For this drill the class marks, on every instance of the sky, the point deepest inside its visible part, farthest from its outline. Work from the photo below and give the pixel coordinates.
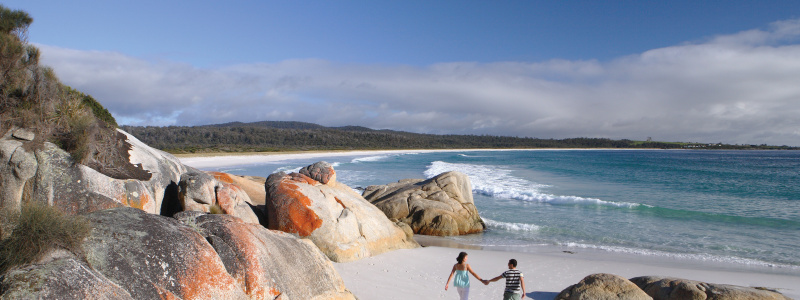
(682, 71)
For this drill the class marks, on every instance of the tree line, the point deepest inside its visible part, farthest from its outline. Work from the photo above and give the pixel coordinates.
(299, 136)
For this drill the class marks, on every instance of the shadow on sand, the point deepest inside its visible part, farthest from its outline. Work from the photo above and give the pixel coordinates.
(541, 295)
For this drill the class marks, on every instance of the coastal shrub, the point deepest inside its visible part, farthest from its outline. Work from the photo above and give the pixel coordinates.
(215, 210)
(99, 111)
(32, 97)
(37, 229)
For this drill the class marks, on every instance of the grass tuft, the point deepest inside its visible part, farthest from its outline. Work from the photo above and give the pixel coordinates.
(36, 230)
(215, 210)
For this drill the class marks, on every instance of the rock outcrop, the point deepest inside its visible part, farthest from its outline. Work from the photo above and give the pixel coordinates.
(442, 205)
(666, 288)
(199, 191)
(603, 287)
(253, 186)
(46, 174)
(17, 165)
(61, 275)
(131, 254)
(334, 217)
(153, 257)
(262, 260)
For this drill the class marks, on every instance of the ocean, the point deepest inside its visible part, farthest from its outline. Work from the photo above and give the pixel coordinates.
(736, 208)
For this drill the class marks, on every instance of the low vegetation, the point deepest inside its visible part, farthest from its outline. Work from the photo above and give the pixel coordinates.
(37, 229)
(293, 136)
(32, 97)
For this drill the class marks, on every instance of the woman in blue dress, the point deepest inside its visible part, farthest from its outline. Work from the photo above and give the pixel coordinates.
(461, 281)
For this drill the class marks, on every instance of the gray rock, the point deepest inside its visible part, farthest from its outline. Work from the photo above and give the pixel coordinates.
(667, 288)
(52, 177)
(320, 171)
(59, 276)
(603, 287)
(17, 167)
(152, 256)
(442, 205)
(198, 191)
(24, 134)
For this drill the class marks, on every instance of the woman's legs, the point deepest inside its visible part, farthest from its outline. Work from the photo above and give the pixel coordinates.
(463, 292)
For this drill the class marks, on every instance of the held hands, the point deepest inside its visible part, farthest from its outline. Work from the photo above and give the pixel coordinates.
(485, 282)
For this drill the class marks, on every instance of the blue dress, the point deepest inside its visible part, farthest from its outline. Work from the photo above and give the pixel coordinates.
(461, 279)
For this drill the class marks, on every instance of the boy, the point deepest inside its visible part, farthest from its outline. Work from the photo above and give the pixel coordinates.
(515, 284)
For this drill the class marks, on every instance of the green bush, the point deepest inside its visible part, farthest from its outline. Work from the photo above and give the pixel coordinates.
(37, 229)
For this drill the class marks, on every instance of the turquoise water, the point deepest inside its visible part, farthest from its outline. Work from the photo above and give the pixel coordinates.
(740, 207)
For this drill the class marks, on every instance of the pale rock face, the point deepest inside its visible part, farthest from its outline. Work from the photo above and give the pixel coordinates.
(252, 186)
(18, 166)
(442, 205)
(339, 221)
(49, 175)
(666, 288)
(603, 287)
(54, 178)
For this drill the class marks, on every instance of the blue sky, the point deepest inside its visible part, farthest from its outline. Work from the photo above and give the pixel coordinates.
(706, 71)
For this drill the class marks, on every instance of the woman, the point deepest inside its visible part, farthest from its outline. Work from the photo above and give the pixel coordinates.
(461, 281)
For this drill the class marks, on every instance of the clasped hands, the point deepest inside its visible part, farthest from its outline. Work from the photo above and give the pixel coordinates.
(485, 282)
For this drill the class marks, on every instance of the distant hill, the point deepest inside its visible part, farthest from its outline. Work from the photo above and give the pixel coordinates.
(291, 136)
(272, 124)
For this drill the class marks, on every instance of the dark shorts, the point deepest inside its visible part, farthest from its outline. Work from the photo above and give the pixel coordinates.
(511, 296)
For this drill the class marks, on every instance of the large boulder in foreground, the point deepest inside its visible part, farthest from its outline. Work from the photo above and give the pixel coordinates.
(603, 287)
(263, 261)
(666, 288)
(332, 215)
(156, 257)
(441, 205)
(131, 254)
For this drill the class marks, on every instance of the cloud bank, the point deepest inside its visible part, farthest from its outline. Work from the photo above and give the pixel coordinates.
(739, 88)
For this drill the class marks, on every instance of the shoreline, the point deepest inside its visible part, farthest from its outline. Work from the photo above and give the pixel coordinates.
(422, 272)
(227, 159)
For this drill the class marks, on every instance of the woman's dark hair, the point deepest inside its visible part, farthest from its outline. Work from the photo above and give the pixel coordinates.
(461, 256)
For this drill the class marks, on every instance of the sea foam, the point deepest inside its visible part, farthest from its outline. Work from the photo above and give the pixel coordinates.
(510, 226)
(499, 182)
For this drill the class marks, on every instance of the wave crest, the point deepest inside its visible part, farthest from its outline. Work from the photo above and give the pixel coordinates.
(498, 182)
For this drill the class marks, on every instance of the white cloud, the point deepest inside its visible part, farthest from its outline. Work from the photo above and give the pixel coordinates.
(739, 88)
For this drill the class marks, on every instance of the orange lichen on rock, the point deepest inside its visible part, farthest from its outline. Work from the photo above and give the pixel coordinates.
(340, 202)
(303, 179)
(226, 198)
(203, 278)
(255, 276)
(222, 177)
(294, 213)
(144, 199)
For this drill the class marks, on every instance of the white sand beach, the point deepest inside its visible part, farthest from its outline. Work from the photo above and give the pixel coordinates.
(421, 273)
(216, 161)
